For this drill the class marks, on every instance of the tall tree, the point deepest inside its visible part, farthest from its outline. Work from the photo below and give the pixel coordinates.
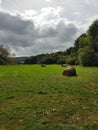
(85, 50)
(93, 30)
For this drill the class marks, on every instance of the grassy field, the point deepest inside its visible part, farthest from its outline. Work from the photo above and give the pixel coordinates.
(36, 98)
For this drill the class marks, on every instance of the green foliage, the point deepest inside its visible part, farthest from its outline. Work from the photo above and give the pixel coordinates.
(69, 51)
(80, 42)
(86, 47)
(61, 60)
(70, 60)
(5, 56)
(47, 60)
(53, 58)
(93, 31)
(96, 59)
(86, 57)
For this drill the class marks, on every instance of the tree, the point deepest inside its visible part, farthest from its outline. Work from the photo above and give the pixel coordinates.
(61, 60)
(96, 59)
(86, 57)
(85, 50)
(5, 56)
(93, 30)
(79, 41)
(71, 60)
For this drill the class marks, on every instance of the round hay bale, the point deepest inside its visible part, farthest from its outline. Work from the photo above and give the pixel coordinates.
(63, 65)
(71, 71)
(43, 65)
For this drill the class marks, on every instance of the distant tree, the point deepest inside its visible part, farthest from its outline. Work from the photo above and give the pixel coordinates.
(61, 60)
(31, 60)
(47, 60)
(69, 51)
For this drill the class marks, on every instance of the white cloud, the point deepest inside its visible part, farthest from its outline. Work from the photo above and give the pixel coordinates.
(21, 5)
(48, 0)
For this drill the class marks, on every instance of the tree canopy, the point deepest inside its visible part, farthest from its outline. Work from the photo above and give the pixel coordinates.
(85, 50)
(5, 57)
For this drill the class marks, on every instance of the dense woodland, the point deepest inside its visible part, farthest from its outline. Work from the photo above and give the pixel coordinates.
(84, 52)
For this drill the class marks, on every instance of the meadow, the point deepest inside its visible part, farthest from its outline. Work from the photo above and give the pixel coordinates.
(40, 98)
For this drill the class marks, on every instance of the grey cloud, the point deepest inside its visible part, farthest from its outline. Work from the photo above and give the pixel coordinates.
(66, 32)
(14, 23)
(61, 30)
(47, 32)
(62, 37)
(16, 31)
(15, 40)
(24, 38)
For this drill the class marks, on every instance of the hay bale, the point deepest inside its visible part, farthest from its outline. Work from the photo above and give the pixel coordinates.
(71, 71)
(63, 65)
(43, 65)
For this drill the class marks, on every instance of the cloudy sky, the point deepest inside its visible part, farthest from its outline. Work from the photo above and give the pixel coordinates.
(31, 27)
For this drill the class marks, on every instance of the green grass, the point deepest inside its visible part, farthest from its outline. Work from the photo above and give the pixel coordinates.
(36, 98)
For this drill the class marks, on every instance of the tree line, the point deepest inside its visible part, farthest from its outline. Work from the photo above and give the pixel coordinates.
(84, 52)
